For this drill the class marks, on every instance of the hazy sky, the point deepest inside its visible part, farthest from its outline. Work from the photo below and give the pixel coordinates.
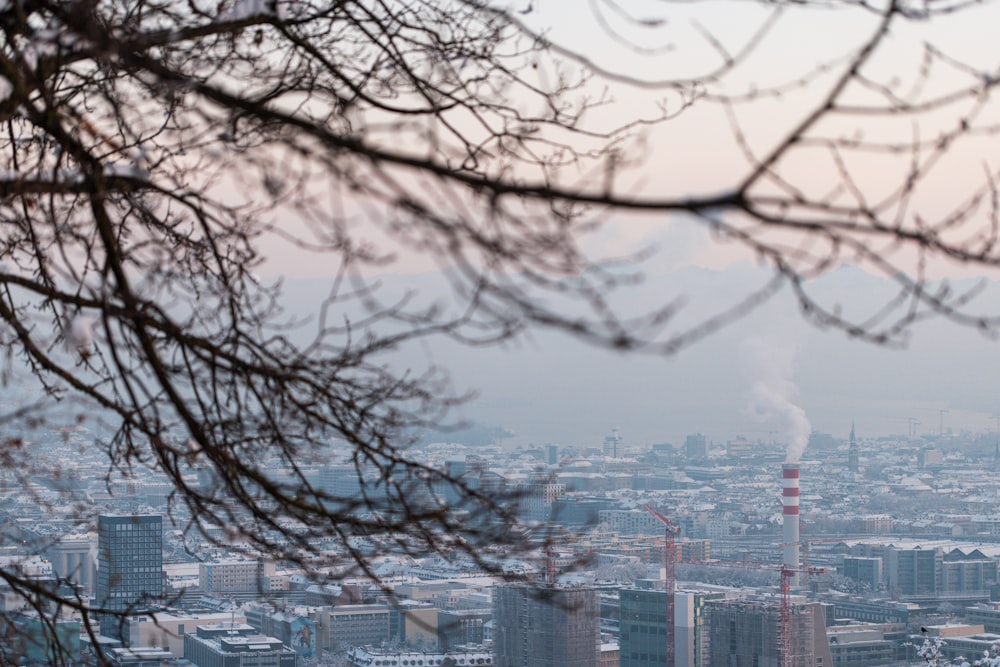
(560, 391)
(548, 388)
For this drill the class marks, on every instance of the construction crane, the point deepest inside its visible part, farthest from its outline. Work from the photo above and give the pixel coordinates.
(911, 422)
(787, 574)
(670, 578)
(550, 566)
(670, 584)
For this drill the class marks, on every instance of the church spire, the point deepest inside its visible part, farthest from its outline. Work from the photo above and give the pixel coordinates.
(853, 454)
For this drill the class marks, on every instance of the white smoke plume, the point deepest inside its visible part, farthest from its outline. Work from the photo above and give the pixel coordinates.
(80, 334)
(92, 551)
(770, 398)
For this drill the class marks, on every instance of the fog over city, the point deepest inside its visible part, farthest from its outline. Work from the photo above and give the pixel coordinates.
(462, 333)
(547, 388)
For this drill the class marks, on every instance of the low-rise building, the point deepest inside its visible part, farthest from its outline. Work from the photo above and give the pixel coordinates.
(230, 576)
(138, 657)
(459, 656)
(986, 614)
(167, 628)
(235, 645)
(866, 645)
(353, 625)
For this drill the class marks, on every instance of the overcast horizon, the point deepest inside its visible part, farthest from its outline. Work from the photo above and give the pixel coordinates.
(549, 388)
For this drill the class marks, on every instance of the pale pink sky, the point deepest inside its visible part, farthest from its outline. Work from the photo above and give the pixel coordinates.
(696, 153)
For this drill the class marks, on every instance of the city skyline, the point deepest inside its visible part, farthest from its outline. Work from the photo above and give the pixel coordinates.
(718, 282)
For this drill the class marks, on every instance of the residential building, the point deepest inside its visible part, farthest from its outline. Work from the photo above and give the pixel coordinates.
(230, 576)
(539, 494)
(630, 522)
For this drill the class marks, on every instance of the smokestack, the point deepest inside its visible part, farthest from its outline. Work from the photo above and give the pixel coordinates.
(790, 516)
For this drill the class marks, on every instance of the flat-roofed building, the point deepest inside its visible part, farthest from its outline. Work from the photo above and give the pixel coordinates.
(747, 633)
(353, 625)
(72, 559)
(167, 628)
(866, 645)
(138, 657)
(545, 627)
(235, 645)
(986, 614)
(230, 576)
(130, 569)
(459, 656)
(864, 570)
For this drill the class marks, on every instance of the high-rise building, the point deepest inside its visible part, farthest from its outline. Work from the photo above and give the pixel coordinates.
(643, 627)
(696, 446)
(545, 627)
(612, 444)
(691, 627)
(129, 569)
(914, 571)
(747, 633)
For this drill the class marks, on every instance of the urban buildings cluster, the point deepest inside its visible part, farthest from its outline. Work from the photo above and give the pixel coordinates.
(848, 558)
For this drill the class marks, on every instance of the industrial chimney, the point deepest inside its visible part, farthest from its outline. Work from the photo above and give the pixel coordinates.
(790, 515)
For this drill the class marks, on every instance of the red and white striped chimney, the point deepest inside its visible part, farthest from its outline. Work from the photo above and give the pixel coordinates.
(790, 515)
